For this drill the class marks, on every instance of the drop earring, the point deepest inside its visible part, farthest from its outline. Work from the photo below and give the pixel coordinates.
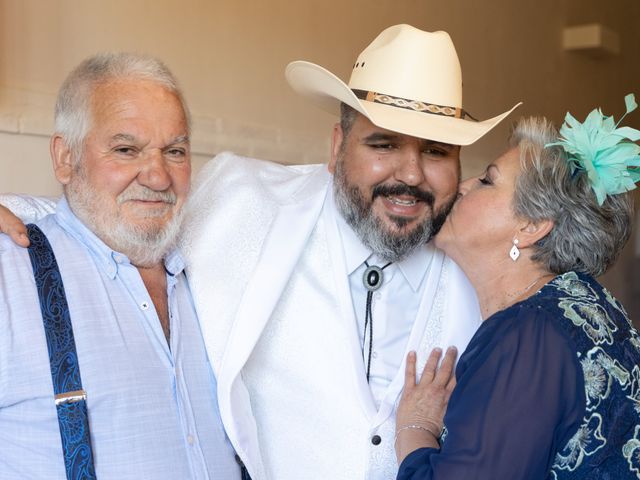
(514, 253)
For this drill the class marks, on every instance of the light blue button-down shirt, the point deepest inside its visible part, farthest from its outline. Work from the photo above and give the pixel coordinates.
(153, 411)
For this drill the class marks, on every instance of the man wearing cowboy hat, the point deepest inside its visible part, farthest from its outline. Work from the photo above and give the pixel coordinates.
(312, 285)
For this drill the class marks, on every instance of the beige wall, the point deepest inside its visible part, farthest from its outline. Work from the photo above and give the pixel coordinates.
(230, 55)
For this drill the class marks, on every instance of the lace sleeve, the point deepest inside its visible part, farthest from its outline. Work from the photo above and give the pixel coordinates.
(29, 209)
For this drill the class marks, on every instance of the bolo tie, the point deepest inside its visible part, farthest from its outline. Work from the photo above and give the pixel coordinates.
(372, 280)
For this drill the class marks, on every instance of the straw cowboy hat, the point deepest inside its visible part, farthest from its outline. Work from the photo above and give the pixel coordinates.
(407, 81)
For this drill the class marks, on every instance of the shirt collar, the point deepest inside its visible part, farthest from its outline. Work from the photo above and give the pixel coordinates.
(108, 259)
(414, 267)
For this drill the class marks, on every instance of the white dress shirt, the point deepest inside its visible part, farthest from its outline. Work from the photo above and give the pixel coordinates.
(394, 305)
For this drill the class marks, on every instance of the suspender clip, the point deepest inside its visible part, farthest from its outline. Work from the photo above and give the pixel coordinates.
(70, 397)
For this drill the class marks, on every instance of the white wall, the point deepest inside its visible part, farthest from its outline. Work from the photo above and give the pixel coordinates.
(230, 56)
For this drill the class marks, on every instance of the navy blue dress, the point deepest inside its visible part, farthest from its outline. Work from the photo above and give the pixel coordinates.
(548, 388)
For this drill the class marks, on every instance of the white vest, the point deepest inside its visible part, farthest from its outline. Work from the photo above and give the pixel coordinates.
(278, 322)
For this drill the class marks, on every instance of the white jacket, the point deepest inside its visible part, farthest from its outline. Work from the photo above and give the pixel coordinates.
(278, 323)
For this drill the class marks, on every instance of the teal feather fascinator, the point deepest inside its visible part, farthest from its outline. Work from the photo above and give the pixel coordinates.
(603, 149)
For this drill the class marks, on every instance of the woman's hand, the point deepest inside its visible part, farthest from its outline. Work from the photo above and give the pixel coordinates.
(419, 419)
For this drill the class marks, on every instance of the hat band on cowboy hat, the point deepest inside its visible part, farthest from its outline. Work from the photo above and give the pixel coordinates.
(407, 81)
(409, 104)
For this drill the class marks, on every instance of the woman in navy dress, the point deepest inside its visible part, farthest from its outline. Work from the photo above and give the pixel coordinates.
(549, 387)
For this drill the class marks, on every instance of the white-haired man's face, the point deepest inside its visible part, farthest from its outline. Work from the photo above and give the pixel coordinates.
(133, 177)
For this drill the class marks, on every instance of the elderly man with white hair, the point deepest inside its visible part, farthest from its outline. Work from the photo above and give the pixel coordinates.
(117, 383)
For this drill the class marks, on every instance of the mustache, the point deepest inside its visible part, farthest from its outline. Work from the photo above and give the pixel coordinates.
(140, 192)
(401, 189)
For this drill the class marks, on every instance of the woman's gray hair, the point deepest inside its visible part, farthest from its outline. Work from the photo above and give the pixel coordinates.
(73, 114)
(586, 237)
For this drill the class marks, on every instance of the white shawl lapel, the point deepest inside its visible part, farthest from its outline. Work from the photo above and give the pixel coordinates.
(283, 244)
(282, 247)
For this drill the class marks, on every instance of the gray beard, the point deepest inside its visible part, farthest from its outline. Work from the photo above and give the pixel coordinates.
(145, 247)
(387, 245)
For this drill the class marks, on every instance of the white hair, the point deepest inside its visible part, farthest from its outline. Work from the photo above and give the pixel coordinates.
(73, 114)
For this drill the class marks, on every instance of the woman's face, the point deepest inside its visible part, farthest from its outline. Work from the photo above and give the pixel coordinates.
(481, 226)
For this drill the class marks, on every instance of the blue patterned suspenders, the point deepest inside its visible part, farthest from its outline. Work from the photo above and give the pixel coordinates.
(70, 398)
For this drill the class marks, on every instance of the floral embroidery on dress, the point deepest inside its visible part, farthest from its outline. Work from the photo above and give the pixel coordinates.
(607, 347)
(592, 317)
(597, 383)
(634, 394)
(586, 441)
(599, 371)
(616, 304)
(613, 367)
(571, 284)
(631, 451)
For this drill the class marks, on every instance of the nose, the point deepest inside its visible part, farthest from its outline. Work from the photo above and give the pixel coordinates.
(155, 171)
(409, 168)
(464, 186)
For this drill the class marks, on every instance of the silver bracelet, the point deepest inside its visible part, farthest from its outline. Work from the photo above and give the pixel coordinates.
(415, 427)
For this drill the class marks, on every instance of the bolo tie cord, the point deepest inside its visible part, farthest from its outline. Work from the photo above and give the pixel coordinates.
(372, 280)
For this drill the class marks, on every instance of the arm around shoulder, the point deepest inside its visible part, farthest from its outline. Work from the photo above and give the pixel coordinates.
(16, 210)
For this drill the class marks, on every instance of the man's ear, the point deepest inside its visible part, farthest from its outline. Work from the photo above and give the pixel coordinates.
(531, 232)
(336, 144)
(62, 159)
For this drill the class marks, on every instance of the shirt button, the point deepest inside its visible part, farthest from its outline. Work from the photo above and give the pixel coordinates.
(190, 439)
(374, 354)
(378, 295)
(376, 440)
(144, 305)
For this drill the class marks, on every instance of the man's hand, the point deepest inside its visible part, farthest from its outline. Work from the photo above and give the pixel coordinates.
(13, 226)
